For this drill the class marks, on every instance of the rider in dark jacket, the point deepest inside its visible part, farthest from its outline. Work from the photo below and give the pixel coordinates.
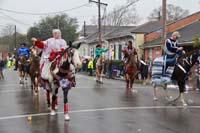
(22, 50)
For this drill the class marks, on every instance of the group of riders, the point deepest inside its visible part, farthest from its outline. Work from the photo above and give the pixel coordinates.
(52, 47)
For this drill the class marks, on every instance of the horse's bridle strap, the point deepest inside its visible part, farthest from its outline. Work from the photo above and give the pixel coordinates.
(64, 71)
(183, 69)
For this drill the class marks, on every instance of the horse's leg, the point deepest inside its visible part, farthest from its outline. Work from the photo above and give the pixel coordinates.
(53, 104)
(181, 85)
(48, 98)
(155, 98)
(131, 84)
(36, 85)
(97, 75)
(66, 105)
(127, 81)
(56, 98)
(166, 93)
(101, 77)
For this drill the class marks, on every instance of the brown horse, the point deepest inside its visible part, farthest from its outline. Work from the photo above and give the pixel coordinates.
(100, 68)
(34, 70)
(130, 72)
(22, 67)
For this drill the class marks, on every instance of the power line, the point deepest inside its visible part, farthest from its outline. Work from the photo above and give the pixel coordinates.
(31, 13)
(13, 19)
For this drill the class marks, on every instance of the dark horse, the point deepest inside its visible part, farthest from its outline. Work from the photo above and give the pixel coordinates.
(23, 68)
(34, 70)
(180, 74)
(63, 73)
(130, 72)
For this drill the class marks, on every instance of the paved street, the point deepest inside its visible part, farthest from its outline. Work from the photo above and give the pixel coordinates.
(95, 108)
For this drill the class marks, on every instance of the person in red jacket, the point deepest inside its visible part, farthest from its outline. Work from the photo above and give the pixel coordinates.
(50, 49)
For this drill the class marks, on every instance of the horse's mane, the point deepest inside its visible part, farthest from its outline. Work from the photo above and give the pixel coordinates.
(132, 59)
(189, 53)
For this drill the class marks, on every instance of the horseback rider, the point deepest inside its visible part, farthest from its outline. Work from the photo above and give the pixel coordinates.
(128, 50)
(22, 50)
(172, 50)
(50, 48)
(98, 51)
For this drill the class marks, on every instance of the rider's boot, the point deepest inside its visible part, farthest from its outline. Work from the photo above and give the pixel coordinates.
(66, 110)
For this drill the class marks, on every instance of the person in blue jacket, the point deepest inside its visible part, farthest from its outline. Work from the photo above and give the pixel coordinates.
(22, 50)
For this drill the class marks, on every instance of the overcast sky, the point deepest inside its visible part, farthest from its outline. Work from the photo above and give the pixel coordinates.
(144, 7)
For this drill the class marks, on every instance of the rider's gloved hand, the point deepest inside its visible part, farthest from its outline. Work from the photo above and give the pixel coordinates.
(52, 56)
(60, 51)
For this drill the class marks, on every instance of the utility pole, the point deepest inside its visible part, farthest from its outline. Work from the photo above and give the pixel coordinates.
(15, 36)
(163, 21)
(99, 17)
(84, 29)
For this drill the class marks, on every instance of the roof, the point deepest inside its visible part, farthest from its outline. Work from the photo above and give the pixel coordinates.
(186, 32)
(110, 32)
(94, 37)
(147, 27)
(89, 29)
(120, 31)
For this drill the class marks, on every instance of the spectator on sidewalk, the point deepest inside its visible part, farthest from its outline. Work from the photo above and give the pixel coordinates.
(109, 69)
(90, 67)
(1, 69)
(143, 70)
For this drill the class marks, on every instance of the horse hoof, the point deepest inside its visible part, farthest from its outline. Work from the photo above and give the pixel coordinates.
(184, 103)
(155, 98)
(56, 107)
(134, 91)
(49, 107)
(168, 98)
(53, 112)
(67, 118)
(36, 93)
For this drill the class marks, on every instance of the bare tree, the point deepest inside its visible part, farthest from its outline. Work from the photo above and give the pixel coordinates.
(120, 15)
(173, 13)
(7, 30)
(123, 15)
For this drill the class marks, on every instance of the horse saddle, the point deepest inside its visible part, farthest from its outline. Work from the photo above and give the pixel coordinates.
(130, 69)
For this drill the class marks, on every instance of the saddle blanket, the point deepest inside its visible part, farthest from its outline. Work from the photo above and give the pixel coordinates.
(159, 75)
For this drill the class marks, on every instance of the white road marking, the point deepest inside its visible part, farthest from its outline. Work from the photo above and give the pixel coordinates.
(102, 109)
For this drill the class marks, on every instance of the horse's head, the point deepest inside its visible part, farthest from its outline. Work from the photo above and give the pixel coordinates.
(132, 60)
(190, 58)
(22, 58)
(35, 53)
(76, 56)
(102, 57)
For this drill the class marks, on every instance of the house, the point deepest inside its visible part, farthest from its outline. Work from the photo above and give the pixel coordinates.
(153, 44)
(116, 37)
(152, 49)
